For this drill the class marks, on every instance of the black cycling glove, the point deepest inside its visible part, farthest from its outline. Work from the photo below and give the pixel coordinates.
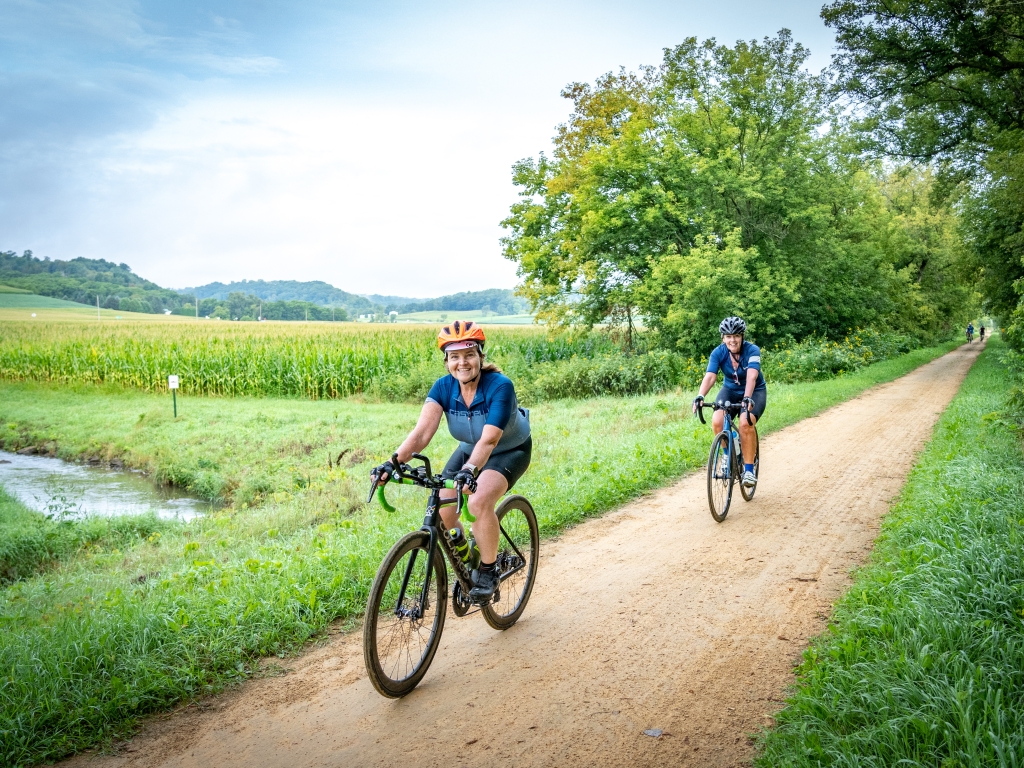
(467, 478)
(698, 400)
(380, 470)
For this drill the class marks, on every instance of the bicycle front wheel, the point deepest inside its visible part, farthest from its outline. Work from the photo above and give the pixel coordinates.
(720, 477)
(748, 493)
(401, 631)
(518, 554)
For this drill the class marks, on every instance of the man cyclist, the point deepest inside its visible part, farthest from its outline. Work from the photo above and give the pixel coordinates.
(981, 332)
(970, 332)
(479, 403)
(740, 364)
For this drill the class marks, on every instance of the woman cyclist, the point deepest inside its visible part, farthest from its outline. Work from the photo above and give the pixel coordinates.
(740, 363)
(479, 403)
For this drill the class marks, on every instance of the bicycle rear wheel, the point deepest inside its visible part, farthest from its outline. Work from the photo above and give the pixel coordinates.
(518, 554)
(401, 636)
(748, 493)
(720, 479)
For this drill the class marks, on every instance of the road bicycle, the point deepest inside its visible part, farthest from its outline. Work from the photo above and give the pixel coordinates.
(970, 337)
(409, 598)
(722, 473)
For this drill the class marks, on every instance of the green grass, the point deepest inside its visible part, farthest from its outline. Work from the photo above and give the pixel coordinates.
(9, 289)
(923, 663)
(130, 626)
(31, 543)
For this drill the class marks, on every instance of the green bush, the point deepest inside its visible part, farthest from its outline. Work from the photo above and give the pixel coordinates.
(817, 359)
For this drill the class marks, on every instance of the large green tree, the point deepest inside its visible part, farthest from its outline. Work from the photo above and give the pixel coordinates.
(943, 80)
(720, 182)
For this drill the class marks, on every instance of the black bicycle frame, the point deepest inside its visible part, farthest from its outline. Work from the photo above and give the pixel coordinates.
(433, 525)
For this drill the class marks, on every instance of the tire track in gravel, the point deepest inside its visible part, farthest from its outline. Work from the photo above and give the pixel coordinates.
(652, 616)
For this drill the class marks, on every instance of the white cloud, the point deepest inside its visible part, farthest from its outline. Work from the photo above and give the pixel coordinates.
(372, 199)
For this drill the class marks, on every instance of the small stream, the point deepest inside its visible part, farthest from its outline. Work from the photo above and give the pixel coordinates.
(59, 488)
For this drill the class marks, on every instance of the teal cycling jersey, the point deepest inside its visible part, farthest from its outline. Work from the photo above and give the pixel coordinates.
(734, 367)
(495, 404)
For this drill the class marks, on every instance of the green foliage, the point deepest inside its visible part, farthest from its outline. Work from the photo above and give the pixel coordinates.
(722, 183)
(937, 76)
(619, 375)
(817, 359)
(924, 659)
(941, 80)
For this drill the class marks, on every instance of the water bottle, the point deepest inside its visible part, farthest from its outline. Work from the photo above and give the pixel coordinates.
(466, 550)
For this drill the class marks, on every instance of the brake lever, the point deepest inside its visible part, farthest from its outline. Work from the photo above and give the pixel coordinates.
(373, 487)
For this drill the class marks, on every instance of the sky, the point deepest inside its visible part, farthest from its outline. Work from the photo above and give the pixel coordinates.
(368, 145)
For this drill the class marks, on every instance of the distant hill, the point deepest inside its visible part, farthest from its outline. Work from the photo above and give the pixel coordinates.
(83, 280)
(119, 288)
(498, 300)
(313, 291)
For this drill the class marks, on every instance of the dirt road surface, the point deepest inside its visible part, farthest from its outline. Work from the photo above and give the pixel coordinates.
(651, 617)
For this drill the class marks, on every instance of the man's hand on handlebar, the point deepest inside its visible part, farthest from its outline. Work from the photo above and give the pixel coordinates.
(698, 401)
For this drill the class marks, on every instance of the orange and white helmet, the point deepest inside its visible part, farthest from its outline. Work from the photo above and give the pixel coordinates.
(460, 334)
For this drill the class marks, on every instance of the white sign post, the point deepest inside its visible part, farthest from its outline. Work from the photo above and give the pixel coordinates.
(172, 384)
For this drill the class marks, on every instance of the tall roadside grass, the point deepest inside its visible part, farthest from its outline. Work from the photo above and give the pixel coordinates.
(131, 627)
(923, 663)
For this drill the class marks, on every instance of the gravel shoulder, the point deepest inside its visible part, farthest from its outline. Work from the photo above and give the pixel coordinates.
(650, 617)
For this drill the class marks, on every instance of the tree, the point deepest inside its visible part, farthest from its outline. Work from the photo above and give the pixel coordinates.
(936, 76)
(944, 80)
(720, 182)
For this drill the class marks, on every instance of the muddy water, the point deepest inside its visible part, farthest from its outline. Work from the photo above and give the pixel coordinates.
(56, 487)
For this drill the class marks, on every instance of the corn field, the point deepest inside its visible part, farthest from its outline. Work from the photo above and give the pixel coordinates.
(252, 359)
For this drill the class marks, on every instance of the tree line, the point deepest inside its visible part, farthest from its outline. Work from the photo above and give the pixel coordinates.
(731, 180)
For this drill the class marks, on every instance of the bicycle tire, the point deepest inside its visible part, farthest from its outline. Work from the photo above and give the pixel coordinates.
(748, 493)
(402, 637)
(719, 487)
(518, 523)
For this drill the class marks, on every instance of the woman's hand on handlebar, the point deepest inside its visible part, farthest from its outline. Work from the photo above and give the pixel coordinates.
(384, 472)
(748, 407)
(466, 478)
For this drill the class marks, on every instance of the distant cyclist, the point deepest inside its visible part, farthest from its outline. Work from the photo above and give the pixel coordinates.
(479, 403)
(970, 332)
(981, 332)
(740, 364)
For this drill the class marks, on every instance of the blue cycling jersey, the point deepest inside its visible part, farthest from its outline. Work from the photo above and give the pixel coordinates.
(495, 404)
(735, 369)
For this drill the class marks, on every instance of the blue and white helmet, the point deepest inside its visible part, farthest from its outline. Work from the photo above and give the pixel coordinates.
(732, 326)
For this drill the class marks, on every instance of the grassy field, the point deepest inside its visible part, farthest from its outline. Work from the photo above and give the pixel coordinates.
(19, 306)
(138, 620)
(923, 663)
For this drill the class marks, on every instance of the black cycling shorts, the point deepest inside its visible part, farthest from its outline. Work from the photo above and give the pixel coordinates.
(512, 464)
(760, 399)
